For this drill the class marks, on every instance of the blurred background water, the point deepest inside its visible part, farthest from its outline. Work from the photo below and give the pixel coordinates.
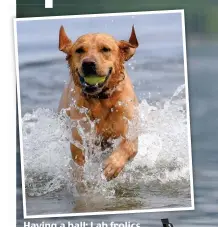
(202, 56)
(43, 68)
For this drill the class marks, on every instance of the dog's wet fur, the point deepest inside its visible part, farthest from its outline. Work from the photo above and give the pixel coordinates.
(112, 101)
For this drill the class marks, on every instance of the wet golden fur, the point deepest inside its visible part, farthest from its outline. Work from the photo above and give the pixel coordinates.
(114, 111)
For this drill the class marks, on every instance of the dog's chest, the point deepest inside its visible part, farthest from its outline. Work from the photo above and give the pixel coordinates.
(106, 116)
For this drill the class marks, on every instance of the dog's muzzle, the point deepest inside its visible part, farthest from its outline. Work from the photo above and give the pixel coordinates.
(93, 87)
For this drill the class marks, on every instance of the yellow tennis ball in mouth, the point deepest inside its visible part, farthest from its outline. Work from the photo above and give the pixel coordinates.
(92, 80)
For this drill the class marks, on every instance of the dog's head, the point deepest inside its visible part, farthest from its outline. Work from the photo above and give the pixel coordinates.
(97, 60)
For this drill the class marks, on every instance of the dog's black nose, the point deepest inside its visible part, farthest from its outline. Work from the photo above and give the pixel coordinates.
(89, 66)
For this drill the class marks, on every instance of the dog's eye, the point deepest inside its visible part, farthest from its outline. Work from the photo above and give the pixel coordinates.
(106, 49)
(80, 50)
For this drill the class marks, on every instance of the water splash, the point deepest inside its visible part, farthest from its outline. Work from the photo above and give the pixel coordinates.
(162, 157)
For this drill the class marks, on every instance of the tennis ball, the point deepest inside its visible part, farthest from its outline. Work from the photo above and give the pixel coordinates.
(92, 80)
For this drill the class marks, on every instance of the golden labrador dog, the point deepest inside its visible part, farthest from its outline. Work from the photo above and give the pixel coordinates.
(99, 82)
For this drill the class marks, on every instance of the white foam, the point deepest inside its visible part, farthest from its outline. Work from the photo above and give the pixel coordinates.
(162, 156)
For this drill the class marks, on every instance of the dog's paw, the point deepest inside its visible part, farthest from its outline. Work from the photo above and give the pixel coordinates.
(114, 165)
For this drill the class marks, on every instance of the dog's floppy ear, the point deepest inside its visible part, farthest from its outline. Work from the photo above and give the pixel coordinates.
(65, 43)
(128, 48)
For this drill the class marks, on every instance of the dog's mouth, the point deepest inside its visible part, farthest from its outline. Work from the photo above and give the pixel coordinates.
(92, 84)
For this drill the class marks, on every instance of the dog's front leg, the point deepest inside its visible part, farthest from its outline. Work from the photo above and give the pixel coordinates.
(117, 160)
(77, 153)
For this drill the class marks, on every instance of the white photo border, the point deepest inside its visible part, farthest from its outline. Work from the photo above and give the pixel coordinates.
(192, 207)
